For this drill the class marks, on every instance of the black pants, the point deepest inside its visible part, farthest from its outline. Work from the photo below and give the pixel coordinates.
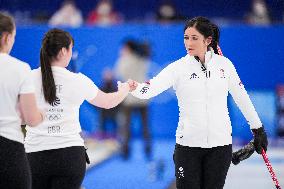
(62, 168)
(201, 168)
(14, 168)
(126, 129)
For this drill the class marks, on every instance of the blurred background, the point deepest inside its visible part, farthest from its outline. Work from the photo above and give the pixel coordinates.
(132, 145)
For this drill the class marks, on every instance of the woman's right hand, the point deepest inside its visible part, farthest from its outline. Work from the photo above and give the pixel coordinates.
(123, 86)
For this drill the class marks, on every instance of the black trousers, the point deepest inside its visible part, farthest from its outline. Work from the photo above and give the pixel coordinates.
(201, 168)
(62, 168)
(14, 168)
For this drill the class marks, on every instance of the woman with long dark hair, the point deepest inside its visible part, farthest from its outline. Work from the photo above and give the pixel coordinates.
(17, 100)
(202, 80)
(55, 148)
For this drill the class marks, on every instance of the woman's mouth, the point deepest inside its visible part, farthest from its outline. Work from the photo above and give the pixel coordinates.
(189, 50)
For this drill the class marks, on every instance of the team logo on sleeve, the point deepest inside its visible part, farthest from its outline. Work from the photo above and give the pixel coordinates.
(144, 89)
(241, 85)
(222, 73)
(147, 82)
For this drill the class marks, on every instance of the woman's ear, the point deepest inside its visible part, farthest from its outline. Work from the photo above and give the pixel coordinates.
(9, 37)
(62, 53)
(208, 40)
(4, 38)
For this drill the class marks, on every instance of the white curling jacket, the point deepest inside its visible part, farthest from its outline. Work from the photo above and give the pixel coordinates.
(202, 93)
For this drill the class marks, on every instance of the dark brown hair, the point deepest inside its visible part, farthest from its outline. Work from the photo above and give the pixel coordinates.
(206, 28)
(54, 40)
(7, 24)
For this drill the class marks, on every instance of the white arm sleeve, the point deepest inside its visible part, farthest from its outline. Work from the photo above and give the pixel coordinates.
(163, 81)
(27, 85)
(241, 97)
(88, 88)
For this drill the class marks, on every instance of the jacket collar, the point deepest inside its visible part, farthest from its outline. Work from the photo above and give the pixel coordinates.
(208, 56)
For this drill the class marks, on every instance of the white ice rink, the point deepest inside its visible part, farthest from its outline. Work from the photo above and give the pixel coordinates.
(249, 174)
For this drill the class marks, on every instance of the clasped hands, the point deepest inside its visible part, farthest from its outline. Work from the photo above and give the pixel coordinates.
(129, 85)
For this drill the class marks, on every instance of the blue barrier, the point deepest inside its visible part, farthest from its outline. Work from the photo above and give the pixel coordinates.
(257, 53)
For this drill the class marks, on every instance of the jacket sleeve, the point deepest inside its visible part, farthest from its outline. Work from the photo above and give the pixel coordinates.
(241, 97)
(163, 81)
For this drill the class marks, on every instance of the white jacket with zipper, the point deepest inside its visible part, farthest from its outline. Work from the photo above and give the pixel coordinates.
(202, 93)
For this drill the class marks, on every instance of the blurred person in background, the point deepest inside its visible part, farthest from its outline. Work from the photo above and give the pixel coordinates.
(103, 14)
(259, 14)
(108, 116)
(167, 13)
(133, 62)
(55, 148)
(17, 100)
(68, 15)
(202, 80)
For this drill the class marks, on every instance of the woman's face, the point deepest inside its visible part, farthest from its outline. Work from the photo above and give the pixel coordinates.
(195, 43)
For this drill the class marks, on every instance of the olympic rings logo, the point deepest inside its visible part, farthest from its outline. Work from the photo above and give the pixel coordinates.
(53, 117)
